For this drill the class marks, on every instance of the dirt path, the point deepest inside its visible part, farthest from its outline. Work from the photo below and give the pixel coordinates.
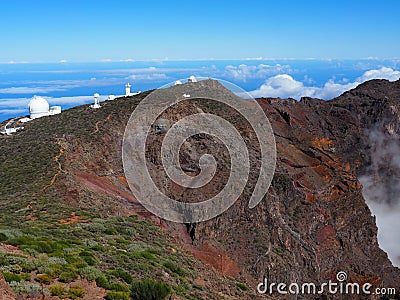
(60, 170)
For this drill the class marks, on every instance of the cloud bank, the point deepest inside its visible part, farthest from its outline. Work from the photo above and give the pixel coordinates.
(381, 190)
(285, 86)
(244, 72)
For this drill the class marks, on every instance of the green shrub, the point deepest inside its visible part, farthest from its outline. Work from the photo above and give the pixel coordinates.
(90, 243)
(25, 276)
(44, 246)
(20, 263)
(76, 292)
(9, 277)
(242, 286)
(97, 247)
(118, 287)
(43, 278)
(11, 233)
(102, 281)
(71, 250)
(150, 290)
(138, 247)
(80, 264)
(174, 268)
(94, 227)
(58, 290)
(25, 288)
(90, 260)
(3, 237)
(121, 274)
(22, 240)
(117, 296)
(147, 254)
(111, 231)
(90, 273)
(68, 276)
(55, 260)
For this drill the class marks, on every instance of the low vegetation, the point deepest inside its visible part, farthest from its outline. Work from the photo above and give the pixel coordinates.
(91, 251)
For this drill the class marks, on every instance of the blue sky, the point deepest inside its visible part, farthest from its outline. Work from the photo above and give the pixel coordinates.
(78, 31)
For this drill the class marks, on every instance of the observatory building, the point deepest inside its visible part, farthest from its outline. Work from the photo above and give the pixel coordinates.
(96, 103)
(10, 128)
(39, 107)
(192, 79)
(128, 90)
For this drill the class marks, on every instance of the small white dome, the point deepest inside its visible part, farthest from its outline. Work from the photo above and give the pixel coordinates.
(192, 79)
(38, 107)
(178, 82)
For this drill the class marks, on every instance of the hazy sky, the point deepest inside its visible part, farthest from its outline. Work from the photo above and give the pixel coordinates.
(77, 30)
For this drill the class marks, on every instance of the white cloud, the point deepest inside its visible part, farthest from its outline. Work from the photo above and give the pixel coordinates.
(15, 112)
(255, 58)
(381, 190)
(148, 77)
(382, 73)
(285, 86)
(128, 72)
(282, 86)
(244, 72)
(73, 100)
(13, 62)
(13, 103)
(34, 90)
(45, 87)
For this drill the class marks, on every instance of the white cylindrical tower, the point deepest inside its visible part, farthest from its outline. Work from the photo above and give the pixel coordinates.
(96, 104)
(127, 89)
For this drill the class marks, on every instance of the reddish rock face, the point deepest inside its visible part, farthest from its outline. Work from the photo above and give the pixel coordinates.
(313, 220)
(326, 236)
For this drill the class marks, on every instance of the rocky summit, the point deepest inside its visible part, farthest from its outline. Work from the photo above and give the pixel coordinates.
(71, 227)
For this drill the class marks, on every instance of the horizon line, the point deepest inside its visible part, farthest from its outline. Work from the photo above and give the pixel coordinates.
(129, 60)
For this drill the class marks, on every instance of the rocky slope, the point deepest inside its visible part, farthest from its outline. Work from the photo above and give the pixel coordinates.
(312, 223)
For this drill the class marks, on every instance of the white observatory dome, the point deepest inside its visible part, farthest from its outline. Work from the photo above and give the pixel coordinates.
(192, 79)
(38, 107)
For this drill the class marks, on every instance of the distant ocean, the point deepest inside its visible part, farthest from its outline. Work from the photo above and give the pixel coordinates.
(70, 84)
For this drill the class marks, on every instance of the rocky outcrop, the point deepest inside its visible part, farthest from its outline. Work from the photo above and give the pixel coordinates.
(314, 221)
